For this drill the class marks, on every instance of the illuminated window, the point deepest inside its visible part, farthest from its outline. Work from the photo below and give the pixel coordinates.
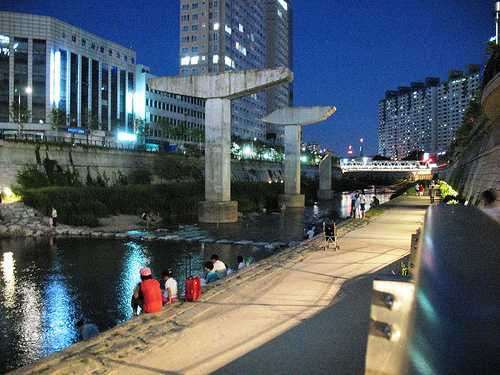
(185, 60)
(194, 60)
(240, 27)
(228, 29)
(215, 59)
(216, 25)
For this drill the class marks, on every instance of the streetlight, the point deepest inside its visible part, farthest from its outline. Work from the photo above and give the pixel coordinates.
(28, 90)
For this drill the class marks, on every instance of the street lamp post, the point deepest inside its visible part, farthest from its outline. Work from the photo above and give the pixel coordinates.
(28, 90)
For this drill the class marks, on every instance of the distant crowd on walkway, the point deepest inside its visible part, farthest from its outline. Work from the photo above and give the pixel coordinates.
(358, 203)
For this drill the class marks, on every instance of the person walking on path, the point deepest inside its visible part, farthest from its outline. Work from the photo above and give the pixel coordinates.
(362, 204)
(421, 191)
(53, 216)
(147, 294)
(353, 204)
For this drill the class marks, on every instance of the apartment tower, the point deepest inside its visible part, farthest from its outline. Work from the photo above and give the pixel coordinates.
(218, 36)
(426, 115)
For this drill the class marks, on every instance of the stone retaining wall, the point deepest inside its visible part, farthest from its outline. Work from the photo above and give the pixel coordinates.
(112, 162)
(477, 168)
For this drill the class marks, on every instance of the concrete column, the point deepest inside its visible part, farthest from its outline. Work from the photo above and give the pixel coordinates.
(293, 119)
(325, 192)
(218, 207)
(219, 90)
(292, 196)
(217, 150)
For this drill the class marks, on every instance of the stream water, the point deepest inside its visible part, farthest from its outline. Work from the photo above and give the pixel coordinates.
(47, 284)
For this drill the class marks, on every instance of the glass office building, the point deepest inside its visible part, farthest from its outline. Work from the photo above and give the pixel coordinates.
(47, 64)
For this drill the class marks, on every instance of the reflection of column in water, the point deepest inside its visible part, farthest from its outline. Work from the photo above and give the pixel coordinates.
(9, 279)
(293, 224)
(30, 322)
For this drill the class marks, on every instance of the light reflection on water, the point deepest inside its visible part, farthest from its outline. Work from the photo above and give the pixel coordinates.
(47, 284)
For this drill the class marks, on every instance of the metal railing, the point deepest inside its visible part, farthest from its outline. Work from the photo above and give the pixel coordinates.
(382, 165)
(445, 321)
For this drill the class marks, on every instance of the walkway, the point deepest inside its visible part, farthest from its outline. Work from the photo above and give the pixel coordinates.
(302, 311)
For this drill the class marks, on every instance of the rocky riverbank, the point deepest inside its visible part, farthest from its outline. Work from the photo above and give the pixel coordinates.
(19, 220)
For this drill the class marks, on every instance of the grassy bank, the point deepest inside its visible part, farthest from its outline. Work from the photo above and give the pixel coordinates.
(84, 205)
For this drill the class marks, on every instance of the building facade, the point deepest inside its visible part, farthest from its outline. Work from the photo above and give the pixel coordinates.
(218, 36)
(47, 64)
(425, 116)
(172, 118)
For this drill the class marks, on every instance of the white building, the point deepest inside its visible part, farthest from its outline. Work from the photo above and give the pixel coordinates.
(425, 116)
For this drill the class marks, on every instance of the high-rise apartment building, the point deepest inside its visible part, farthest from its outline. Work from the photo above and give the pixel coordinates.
(217, 36)
(426, 115)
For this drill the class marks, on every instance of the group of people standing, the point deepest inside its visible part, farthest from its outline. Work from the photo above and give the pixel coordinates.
(358, 204)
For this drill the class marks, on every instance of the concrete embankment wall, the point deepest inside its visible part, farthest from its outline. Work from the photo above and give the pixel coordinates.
(112, 163)
(477, 168)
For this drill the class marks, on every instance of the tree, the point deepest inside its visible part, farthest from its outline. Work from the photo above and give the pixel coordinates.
(142, 129)
(179, 131)
(58, 117)
(19, 112)
(165, 125)
(90, 120)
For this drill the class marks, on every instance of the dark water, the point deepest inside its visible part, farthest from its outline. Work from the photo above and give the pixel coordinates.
(47, 284)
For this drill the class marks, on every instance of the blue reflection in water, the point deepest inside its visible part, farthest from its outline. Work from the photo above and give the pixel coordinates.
(133, 260)
(59, 311)
(48, 284)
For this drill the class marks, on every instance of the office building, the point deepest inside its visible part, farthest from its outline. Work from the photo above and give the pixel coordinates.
(218, 36)
(47, 64)
(172, 117)
(425, 116)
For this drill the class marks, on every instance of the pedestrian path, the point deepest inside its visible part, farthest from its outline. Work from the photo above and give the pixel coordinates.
(302, 311)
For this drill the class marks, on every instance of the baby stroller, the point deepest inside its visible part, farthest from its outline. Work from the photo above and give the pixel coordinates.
(330, 233)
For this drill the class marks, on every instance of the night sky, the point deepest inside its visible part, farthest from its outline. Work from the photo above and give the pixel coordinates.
(346, 53)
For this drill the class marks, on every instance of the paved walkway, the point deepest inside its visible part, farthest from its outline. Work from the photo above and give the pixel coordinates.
(302, 311)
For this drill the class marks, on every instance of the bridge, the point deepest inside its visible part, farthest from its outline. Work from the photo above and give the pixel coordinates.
(416, 170)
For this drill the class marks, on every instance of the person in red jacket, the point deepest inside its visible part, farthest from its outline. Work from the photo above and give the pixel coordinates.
(147, 294)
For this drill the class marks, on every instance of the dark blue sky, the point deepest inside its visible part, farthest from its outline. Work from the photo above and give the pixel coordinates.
(347, 53)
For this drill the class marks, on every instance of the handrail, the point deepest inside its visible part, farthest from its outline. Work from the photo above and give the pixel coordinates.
(453, 325)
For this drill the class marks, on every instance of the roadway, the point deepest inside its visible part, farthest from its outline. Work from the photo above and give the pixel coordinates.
(302, 311)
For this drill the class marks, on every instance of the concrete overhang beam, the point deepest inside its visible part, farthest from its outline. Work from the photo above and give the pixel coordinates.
(229, 85)
(299, 115)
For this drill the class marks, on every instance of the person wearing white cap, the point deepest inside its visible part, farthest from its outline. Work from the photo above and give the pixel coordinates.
(147, 294)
